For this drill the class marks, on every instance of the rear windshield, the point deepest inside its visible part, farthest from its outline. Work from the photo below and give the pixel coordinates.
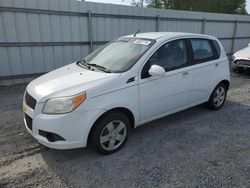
(120, 55)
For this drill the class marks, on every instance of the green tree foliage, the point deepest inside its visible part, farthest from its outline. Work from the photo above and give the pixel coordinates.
(155, 4)
(138, 3)
(216, 6)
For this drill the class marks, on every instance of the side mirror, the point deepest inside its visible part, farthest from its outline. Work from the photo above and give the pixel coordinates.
(156, 70)
(248, 44)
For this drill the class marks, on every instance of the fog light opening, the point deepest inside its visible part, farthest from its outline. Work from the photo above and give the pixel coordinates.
(51, 137)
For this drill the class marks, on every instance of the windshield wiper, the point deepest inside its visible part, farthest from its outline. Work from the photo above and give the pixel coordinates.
(102, 68)
(83, 63)
(89, 65)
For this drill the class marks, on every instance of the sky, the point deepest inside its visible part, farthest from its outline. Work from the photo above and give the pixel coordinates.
(127, 2)
(248, 6)
(120, 2)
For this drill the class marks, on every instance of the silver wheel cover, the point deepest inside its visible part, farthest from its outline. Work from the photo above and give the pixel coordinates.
(219, 96)
(113, 135)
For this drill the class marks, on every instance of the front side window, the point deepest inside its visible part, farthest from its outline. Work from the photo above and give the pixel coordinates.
(170, 56)
(202, 50)
(119, 56)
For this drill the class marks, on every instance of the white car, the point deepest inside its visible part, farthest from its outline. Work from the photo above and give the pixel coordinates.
(241, 59)
(122, 85)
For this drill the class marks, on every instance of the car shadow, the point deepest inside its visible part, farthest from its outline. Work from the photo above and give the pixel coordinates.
(184, 136)
(244, 74)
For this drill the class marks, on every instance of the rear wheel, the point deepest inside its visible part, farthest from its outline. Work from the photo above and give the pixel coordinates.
(218, 97)
(110, 133)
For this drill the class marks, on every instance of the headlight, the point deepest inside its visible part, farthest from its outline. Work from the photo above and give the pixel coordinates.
(63, 105)
(233, 57)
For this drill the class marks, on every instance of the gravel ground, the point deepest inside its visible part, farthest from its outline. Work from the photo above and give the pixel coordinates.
(193, 148)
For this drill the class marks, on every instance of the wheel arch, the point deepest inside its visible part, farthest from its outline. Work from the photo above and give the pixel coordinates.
(123, 110)
(226, 82)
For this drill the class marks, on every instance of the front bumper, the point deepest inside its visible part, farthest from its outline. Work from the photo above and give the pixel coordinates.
(72, 127)
(241, 63)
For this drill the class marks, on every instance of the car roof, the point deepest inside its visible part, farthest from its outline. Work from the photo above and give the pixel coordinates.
(166, 35)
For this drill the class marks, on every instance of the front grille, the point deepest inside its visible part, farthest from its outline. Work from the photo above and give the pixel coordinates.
(28, 121)
(30, 101)
(243, 62)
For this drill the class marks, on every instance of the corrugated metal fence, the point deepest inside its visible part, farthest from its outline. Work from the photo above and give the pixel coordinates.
(37, 36)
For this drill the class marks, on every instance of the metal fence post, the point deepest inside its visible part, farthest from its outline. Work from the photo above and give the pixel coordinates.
(90, 31)
(157, 23)
(203, 25)
(234, 35)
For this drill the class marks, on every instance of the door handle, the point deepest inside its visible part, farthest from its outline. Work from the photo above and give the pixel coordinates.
(216, 64)
(185, 73)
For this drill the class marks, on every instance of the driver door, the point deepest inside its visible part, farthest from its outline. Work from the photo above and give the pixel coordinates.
(162, 95)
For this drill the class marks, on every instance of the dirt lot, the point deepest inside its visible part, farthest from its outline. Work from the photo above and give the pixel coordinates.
(194, 148)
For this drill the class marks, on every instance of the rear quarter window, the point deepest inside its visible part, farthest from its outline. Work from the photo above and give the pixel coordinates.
(202, 50)
(217, 49)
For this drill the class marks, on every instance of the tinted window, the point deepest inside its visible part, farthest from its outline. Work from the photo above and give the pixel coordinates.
(202, 50)
(170, 56)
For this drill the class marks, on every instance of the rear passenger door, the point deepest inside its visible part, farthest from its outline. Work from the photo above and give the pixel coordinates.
(204, 69)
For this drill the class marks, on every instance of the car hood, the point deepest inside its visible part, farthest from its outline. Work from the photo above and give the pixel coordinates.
(66, 81)
(243, 54)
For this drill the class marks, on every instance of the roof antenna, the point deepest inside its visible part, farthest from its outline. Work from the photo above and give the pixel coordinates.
(137, 32)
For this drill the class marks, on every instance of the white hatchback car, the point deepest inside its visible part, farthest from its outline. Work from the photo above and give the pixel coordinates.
(125, 83)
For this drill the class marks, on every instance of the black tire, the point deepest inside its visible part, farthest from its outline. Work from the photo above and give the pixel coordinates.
(101, 126)
(217, 105)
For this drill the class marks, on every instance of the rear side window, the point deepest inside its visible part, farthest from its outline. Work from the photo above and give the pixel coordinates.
(202, 50)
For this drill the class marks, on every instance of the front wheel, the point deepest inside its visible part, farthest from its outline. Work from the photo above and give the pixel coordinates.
(218, 97)
(110, 133)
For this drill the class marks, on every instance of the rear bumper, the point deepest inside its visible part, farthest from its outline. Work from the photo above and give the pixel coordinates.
(73, 127)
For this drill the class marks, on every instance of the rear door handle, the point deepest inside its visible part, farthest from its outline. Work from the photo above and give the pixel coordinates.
(216, 64)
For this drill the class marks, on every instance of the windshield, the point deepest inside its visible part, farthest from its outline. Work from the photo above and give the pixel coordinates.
(119, 56)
